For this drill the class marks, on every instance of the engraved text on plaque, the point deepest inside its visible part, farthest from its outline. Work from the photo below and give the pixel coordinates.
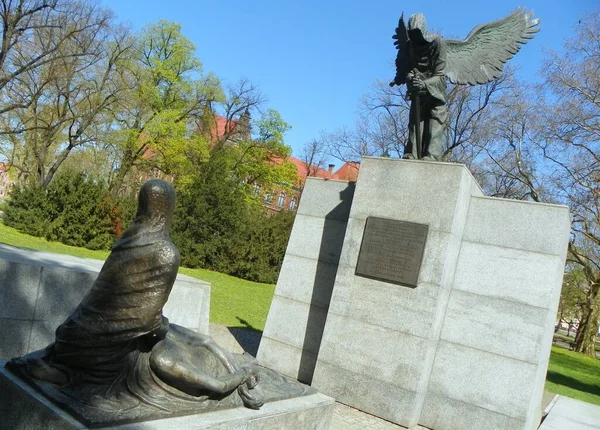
(392, 251)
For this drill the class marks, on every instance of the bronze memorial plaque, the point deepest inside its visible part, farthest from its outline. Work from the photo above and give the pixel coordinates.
(392, 251)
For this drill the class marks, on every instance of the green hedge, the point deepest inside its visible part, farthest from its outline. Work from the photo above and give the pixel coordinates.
(215, 225)
(75, 209)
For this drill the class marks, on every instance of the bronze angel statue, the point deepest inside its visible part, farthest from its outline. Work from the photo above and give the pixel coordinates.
(425, 60)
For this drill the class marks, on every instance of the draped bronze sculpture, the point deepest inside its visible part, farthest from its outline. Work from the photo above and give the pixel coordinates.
(425, 60)
(117, 359)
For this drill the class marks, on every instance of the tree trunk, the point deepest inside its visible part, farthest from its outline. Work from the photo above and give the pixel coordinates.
(585, 341)
(560, 319)
(131, 154)
(52, 171)
(125, 166)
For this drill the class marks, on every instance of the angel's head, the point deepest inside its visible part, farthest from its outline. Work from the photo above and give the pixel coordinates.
(417, 29)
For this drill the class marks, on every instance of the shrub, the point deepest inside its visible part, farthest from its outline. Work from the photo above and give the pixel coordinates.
(257, 252)
(28, 211)
(216, 227)
(208, 214)
(75, 209)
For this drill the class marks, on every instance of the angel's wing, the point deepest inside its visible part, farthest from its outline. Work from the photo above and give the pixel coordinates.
(401, 37)
(481, 56)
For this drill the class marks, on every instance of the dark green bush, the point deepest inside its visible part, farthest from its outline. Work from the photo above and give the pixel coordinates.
(257, 252)
(216, 227)
(75, 209)
(208, 214)
(28, 210)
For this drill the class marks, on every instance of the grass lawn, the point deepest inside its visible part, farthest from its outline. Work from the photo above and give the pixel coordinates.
(574, 375)
(234, 302)
(10, 236)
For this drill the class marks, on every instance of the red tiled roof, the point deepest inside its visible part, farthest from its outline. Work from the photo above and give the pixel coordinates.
(303, 170)
(223, 126)
(349, 171)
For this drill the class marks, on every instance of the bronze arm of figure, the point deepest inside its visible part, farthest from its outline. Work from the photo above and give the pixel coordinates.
(184, 358)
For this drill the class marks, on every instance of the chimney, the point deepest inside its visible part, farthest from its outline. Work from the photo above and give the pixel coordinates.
(331, 166)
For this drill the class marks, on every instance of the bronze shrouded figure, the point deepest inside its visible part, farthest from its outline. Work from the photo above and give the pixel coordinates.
(425, 60)
(117, 359)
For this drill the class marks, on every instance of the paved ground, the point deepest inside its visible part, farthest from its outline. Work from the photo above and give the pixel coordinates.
(571, 414)
(346, 418)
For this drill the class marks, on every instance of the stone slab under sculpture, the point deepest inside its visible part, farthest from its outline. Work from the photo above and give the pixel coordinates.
(425, 60)
(116, 358)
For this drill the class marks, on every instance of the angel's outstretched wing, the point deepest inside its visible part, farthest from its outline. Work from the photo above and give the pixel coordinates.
(402, 65)
(481, 56)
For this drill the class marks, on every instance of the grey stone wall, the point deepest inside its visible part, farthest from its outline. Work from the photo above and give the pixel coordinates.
(38, 292)
(299, 308)
(380, 339)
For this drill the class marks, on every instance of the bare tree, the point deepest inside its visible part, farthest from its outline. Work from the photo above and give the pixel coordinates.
(68, 97)
(509, 163)
(243, 100)
(381, 128)
(33, 35)
(313, 156)
(469, 110)
(571, 131)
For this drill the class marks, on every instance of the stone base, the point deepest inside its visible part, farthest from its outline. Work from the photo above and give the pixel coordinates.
(441, 355)
(23, 408)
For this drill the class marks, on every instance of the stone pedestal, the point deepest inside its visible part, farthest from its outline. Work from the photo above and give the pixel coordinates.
(468, 347)
(22, 408)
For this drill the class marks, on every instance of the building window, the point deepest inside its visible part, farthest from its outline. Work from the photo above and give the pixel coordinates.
(269, 197)
(256, 189)
(293, 203)
(281, 199)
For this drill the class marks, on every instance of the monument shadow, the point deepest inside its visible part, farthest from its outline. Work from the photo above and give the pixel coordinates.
(325, 274)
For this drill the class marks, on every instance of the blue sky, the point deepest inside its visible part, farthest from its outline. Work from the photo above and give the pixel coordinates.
(313, 60)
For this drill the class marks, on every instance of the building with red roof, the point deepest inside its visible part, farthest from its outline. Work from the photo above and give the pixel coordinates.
(231, 131)
(348, 172)
(282, 200)
(223, 127)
